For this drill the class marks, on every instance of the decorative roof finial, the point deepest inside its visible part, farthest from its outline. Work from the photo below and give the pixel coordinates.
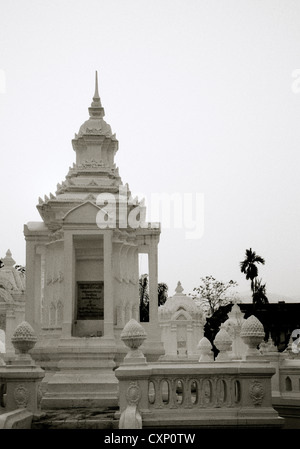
(96, 110)
(179, 288)
(96, 94)
(8, 260)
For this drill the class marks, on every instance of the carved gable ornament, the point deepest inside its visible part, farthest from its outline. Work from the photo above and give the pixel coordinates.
(85, 213)
(181, 314)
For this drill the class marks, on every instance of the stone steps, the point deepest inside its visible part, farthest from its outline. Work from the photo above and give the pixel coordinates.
(76, 419)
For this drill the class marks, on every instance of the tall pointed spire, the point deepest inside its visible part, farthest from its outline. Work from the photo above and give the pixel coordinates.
(96, 94)
(96, 110)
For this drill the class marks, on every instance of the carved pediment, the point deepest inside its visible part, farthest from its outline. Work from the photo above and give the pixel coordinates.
(181, 315)
(83, 214)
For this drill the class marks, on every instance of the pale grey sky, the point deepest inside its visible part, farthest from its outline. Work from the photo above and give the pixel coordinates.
(200, 96)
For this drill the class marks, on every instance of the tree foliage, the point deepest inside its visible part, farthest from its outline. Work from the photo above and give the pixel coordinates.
(20, 268)
(162, 293)
(144, 298)
(17, 267)
(214, 293)
(259, 293)
(249, 268)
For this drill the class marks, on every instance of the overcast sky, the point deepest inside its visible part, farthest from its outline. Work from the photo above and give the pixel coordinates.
(202, 98)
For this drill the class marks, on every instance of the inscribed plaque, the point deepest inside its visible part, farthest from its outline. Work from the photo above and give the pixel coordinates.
(90, 300)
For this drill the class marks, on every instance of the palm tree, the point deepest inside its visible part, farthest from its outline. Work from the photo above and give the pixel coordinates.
(162, 290)
(162, 293)
(248, 266)
(144, 298)
(259, 294)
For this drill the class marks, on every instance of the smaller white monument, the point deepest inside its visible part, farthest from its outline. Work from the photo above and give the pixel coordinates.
(223, 344)
(233, 325)
(12, 301)
(182, 321)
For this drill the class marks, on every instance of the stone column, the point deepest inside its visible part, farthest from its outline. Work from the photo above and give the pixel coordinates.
(125, 275)
(153, 295)
(69, 284)
(40, 284)
(30, 315)
(108, 287)
(117, 281)
(132, 292)
(37, 292)
(135, 286)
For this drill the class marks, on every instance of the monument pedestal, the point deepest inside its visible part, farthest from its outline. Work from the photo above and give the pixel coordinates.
(85, 377)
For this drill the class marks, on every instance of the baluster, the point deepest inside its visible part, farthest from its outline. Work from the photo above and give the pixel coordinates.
(203, 403)
(198, 389)
(160, 398)
(172, 397)
(174, 392)
(234, 392)
(229, 388)
(214, 394)
(218, 386)
(186, 391)
(221, 392)
(157, 400)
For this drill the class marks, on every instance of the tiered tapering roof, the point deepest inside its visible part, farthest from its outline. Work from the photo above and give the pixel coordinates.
(93, 173)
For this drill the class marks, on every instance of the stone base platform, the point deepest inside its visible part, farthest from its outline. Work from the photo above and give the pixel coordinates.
(84, 377)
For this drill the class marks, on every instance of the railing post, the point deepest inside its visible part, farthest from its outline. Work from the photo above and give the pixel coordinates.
(22, 376)
(133, 377)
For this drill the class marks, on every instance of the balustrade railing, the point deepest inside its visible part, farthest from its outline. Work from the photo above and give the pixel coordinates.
(212, 394)
(193, 392)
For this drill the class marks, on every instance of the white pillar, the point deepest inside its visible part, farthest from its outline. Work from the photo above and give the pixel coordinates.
(108, 287)
(117, 281)
(37, 293)
(125, 275)
(153, 295)
(69, 284)
(30, 315)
